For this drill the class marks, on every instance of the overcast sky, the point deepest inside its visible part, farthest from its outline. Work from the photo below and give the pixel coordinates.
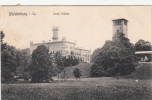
(89, 26)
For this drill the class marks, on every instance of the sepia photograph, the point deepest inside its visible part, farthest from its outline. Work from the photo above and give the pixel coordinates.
(76, 52)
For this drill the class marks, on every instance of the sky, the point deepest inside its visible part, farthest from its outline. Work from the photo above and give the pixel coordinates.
(89, 26)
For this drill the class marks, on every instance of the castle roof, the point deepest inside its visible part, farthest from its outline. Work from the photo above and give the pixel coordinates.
(120, 19)
(54, 42)
(82, 49)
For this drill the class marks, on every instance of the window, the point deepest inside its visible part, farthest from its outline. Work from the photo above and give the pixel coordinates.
(125, 22)
(117, 22)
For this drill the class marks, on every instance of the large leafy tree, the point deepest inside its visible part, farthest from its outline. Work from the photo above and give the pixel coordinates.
(12, 59)
(97, 71)
(116, 56)
(55, 68)
(94, 55)
(143, 45)
(9, 62)
(23, 61)
(58, 63)
(59, 60)
(41, 66)
(26, 58)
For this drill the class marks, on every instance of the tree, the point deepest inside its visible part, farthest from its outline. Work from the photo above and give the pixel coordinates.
(9, 63)
(41, 66)
(77, 73)
(23, 62)
(12, 59)
(58, 63)
(116, 57)
(97, 71)
(8, 60)
(59, 60)
(71, 60)
(94, 55)
(3, 45)
(143, 45)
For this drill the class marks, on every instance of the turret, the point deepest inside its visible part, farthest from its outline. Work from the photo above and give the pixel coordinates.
(120, 25)
(55, 33)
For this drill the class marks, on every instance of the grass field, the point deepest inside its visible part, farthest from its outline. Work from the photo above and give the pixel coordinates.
(143, 71)
(85, 69)
(82, 89)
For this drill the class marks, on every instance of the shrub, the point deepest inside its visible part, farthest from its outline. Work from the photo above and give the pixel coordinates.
(110, 72)
(144, 71)
(77, 73)
(97, 71)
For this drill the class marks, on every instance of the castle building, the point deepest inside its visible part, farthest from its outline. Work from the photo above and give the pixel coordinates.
(64, 47)
(120, 25)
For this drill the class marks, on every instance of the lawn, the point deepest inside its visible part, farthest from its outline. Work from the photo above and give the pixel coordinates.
(82, 89)
(85, 69)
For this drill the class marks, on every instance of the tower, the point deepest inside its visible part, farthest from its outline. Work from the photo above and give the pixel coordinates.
(120, 25)
(55, 33)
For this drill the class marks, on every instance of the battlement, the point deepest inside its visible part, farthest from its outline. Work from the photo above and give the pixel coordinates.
(55, 28)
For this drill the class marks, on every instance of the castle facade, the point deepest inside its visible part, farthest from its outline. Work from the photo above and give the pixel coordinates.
(64, 47)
